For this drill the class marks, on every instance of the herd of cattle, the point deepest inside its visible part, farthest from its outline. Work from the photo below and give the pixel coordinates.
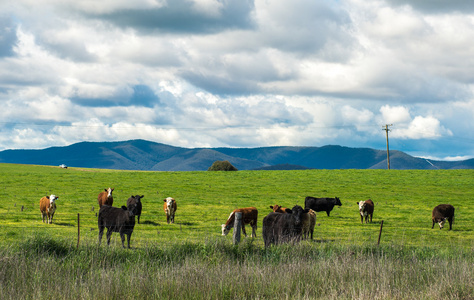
(282, 225)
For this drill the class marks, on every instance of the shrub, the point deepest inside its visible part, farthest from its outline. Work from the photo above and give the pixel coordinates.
(222, 165)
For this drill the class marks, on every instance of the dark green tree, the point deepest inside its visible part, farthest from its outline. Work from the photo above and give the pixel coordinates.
(222, 165)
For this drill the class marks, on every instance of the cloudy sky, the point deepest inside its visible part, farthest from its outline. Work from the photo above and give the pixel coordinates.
(239, 73)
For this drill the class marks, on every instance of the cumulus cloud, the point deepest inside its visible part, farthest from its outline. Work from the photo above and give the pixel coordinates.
(238, 73)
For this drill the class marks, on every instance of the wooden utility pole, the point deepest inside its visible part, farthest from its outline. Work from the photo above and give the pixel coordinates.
(388, 153)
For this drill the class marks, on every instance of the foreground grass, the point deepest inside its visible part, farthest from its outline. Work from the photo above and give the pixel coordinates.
(46, 268)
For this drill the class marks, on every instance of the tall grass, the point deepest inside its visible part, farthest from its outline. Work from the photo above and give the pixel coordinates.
(44, 268)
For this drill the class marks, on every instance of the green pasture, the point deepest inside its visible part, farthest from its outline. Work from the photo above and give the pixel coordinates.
(403, 200)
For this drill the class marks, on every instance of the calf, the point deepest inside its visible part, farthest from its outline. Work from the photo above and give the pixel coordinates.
(278, 208)
(321, 204)
(283, 228)
(121, 220)
(309, 221)
(441, 213)
(249, 216)
(139, 205)
(105, 197)
(366, 209)
(170, 209)
(47, 208)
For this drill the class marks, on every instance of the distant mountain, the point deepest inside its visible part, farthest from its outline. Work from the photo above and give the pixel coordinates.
(146, 155)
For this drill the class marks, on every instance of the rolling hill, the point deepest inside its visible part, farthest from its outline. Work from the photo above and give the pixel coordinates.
(151, 156)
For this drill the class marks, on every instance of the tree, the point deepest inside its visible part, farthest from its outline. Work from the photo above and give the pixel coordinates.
(222, 165)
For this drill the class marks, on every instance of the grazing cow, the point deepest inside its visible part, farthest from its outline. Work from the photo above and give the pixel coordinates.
(441, 213)
(115, 219)
(105, 197)
(278, 208)
(321, 204)
(170, 209)
(139, 205)
(48, 207)
(366, 209)
(309, 221)
(249, 216)
(283, 228)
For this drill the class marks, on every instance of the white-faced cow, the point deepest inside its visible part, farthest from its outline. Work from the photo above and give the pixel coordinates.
(283, 228)
(137, 199)
(47, 208)
(170, 209)
(309, 221)
(115, 219)
(249, 217)
(278, 208)
(441, 213)
(105, 197)
(321, 204)
(366, 210)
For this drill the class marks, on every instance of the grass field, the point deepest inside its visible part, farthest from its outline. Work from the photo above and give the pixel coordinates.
(413, 261)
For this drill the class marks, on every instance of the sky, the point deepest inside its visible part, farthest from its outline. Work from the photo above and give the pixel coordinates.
(239, 73)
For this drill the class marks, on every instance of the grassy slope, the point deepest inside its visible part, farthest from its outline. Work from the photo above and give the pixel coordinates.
(403, 199)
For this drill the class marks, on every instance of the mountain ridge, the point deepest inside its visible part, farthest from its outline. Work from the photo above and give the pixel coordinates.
(152, 156)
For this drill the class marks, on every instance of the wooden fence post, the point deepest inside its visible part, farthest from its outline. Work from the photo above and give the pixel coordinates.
(237, 225)
(78, 230)
(380, 233)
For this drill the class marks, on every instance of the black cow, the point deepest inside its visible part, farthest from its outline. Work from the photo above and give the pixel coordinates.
(116, 219)
(321, 204)
(282, 228)
(139, 205)
(441, 213)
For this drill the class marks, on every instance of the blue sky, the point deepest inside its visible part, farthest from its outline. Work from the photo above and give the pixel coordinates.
(236, 73)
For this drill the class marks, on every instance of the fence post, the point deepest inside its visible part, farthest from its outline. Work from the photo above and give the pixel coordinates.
(380, 233)
(237, 225)
(78, 230)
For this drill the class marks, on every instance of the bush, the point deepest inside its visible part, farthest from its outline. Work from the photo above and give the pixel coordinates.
(224, 165)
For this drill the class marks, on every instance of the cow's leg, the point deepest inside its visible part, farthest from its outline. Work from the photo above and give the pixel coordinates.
(254, 230)
(432, 226)
(371, 218)
(450, 220)
(172, 219)
(52, 215)
(122, 237)
(129, 236)
(101, 232)
(109, 234)
(311, 231)
(243, 229)
(361, 219)
(138, 219)
(328, 211)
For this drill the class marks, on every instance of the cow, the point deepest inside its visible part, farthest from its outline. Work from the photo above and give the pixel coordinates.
(321, 204)
(278, 208)
(249, 216)
(47, 208)
(139, 205)
(366, 209)
(441, 213)
(283, 228)
(170, 209)
(116, 219)
(105, 197)
(309, 221)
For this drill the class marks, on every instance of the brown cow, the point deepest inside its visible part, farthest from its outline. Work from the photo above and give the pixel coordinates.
(48, 207)
(366, 209)
(249, 216)
(278, 208)
(105, 197)
(309, 221)
(170, 209)
(441, 213)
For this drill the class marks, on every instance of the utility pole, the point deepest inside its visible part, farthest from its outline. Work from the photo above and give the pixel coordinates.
(388, 153)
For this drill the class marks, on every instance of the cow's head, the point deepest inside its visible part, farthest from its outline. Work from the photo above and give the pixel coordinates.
(441, 222)
(169, 202)
(132, 205)
(297, 214)
(225, 229)
(52, 199)
(337, 201)
(278, 208)
(361, 205)
(109, 192)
